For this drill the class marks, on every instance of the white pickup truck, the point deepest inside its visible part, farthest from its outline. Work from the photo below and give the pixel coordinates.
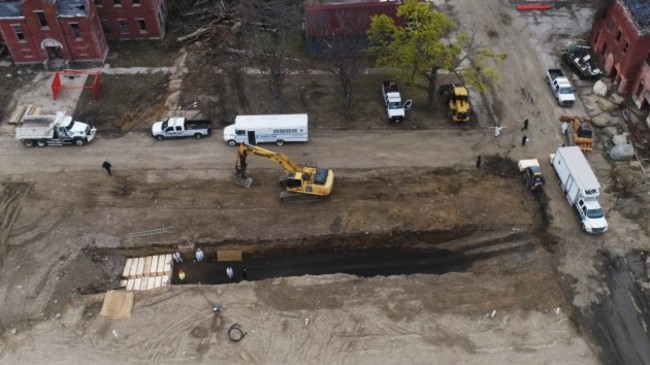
(180, 127)
(395, 109)
(560, 86)
(54, 130)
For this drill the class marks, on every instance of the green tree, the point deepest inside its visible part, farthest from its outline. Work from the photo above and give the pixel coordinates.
(426, 43)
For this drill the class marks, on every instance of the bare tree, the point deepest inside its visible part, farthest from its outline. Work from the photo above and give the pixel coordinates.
(343, 49)
(271, 22)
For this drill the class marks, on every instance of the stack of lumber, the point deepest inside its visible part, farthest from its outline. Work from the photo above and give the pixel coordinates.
(21, 112)
(146, 273)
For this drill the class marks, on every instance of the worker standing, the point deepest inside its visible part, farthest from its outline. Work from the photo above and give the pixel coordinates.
(524, 140)
(177, 257)
(525, 128)
(565, 128)
(199, 255)
(497, 130)
(181, 275)
(230, 272)
(478, 162)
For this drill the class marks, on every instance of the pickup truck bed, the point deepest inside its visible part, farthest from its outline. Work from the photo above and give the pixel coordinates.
(198, 124)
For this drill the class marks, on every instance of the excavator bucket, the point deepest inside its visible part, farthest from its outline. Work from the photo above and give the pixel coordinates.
(242, 181)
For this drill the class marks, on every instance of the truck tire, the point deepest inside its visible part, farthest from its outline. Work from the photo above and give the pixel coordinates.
(159, 137)
(41, 143)
(279, 142)
(232, 143)
(28, 143)
(198, 135)
(79, 142)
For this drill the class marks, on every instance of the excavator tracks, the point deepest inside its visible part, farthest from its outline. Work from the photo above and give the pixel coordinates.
(287, 196)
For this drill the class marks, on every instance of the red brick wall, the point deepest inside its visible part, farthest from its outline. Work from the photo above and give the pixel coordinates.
(91, 46)
(130, 13)
(627, 64)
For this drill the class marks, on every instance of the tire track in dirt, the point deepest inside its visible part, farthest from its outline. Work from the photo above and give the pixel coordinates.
(11, 195)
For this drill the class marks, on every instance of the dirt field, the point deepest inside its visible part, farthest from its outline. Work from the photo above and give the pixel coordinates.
(416, 257)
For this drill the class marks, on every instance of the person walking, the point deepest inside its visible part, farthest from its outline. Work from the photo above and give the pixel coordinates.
(525, 128)
(478, 162)
(107, 166)
(181, 275)
(524, 140)
(229, 272)
(199, 255)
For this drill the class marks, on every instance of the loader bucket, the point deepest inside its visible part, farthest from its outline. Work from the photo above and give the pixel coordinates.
(242, 181)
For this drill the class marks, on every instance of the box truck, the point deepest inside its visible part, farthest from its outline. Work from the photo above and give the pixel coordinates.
(271, 128)
(580, 186)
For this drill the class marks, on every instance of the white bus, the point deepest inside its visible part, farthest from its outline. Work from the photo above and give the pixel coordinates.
(271, 128)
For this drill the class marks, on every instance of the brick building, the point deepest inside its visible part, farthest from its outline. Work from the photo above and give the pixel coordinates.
(325, 18)
(38, 31)
(621, 37)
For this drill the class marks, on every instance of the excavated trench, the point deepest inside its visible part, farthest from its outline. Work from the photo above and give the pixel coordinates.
(364, 255)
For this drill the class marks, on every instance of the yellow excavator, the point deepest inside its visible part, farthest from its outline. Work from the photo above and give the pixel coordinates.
(300, 182)
(458, 100)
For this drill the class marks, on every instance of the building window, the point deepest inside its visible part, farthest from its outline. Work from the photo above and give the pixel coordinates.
(117, 2)
(618, 36)
(18, 31)
(640, 89)
(136, 2)
(142, 25)
(99, 3)
(41, 19)
(105, 27)
(625, 47)
(76, 32)
(124, 27)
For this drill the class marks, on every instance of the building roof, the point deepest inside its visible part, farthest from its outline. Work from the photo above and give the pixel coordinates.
(639, 11)
(71, 7)
(344, 16)
(10, 9)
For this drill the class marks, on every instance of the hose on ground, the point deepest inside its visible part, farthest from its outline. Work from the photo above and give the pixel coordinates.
(235, 333)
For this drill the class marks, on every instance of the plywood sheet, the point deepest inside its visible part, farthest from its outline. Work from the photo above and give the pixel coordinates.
(158, 282)
(134, 268)
(139, 272)
(168, 264)
(118, 304)
(127, 268)
(146, 271)
(161, 265)
(229, 255)
(153, 269)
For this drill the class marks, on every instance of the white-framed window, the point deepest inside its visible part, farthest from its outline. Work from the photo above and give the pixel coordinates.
(18, 31)
(76, 32)
(124, 26)
(117, 2)
(136, 2)
(99, 2)
(142, 25)
(41, 18)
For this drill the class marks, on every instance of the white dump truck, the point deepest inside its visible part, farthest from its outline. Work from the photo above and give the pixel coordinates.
(53, 130)
(580, 186)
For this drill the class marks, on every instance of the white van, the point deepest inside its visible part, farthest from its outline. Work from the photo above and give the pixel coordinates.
(271, 128)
